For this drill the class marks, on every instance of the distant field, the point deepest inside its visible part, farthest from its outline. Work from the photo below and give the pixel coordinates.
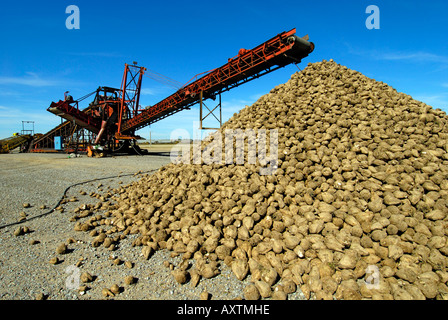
(162, 147)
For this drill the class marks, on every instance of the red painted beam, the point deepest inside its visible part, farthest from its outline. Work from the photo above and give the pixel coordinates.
(70, 112)
(276, 52)
(281, 50)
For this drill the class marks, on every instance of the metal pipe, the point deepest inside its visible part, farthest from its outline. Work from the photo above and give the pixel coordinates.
(103, 127)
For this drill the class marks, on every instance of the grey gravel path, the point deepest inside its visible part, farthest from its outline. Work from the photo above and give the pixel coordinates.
(25, 270)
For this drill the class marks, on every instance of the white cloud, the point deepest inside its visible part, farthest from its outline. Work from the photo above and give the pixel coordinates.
(395, 55)
(31, 79)
(11, 119)
(435, 100)
(95, 54)
(155, 93)
(41, 120)
(148, 92)
(9, 93)
(256, 96)
(419, 56)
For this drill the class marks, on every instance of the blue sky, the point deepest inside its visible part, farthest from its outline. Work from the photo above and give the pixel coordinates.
(40, 58)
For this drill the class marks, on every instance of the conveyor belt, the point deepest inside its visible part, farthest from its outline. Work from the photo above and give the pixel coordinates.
(13, 142)
(283, 49)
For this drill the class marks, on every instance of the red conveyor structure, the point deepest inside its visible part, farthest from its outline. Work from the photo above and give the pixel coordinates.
(281, 50)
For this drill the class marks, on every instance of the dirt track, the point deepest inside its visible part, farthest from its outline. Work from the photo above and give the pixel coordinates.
(25, 271)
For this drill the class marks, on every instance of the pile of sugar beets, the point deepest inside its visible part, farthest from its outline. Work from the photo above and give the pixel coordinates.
(357, 208)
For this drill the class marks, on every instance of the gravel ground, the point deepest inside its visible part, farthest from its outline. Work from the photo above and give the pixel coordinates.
(25, 270)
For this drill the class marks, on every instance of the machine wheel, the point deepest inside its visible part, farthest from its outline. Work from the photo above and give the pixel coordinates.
(123, 146)
(89, 151)
(95, 153)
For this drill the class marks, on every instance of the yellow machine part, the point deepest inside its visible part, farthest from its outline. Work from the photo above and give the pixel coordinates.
(8, 144)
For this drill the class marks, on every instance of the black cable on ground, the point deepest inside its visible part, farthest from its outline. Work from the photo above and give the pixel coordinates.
(65, 192)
